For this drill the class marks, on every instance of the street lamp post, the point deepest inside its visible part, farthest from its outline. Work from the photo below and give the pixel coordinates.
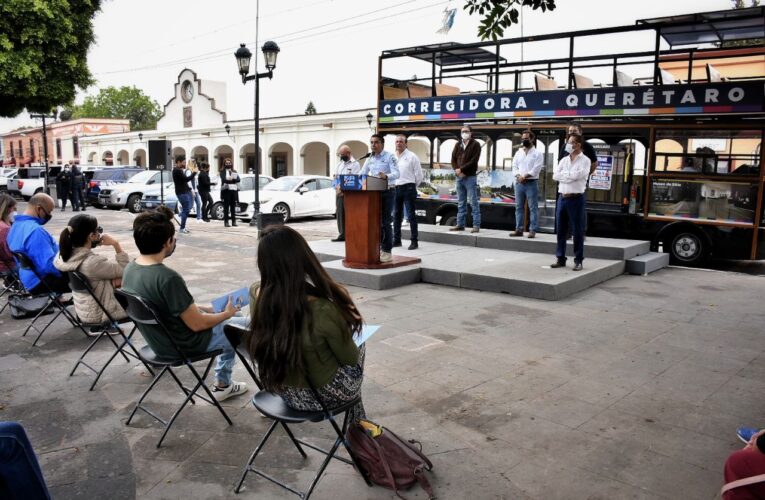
(45, 144)
(370, 117)
(243, 56)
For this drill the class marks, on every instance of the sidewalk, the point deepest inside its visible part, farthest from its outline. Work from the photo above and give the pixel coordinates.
(632, 389)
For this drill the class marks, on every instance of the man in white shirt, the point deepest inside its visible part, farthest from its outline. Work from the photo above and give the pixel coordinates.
(527, 163)
(571, 174)
(410, 176)
(347, 166)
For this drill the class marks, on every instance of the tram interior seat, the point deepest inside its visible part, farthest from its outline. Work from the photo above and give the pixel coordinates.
(544, 82)
(395, 93)
(624, 80)
(713, 75)
(416, 90)
(666, 77)
(583, 82)
(443, 89)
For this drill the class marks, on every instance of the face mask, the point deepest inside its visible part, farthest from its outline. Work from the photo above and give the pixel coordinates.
(569, 148)
(465, 136)
(345, 157)
(229, 167)
(526, 143)
(46, 217)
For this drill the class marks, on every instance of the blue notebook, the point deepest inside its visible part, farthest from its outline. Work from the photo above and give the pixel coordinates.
(240, 298)
(366, 332)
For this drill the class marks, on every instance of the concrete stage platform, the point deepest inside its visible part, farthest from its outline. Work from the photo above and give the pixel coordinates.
(492, 261)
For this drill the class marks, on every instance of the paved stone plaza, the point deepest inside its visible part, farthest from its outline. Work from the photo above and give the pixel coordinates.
(632, 389)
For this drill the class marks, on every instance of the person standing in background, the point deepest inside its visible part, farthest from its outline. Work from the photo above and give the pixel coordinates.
(465, 164)
(64, 181)
(182, 190)
(229, 191)
(205, 185)
(193, 181)
(571, 173)
(347, 166)
(76, 189)
(527, 163)
(410, 176)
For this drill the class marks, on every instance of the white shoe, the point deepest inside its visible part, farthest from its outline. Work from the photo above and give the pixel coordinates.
(199, 221)
(233, 389)
(385, 257)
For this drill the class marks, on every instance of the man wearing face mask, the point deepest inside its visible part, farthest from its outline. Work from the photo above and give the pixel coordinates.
(571, 173)
(181, 178)
(64, 185)
(347, 166)
(229, 191)
(28, 236)
(527, 163)
(589, 152)
(465, 164)
(195, 329)
(382, 164)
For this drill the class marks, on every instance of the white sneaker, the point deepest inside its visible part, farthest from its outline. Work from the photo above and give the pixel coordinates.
(385, 257)
(233, 389)
(199, 221)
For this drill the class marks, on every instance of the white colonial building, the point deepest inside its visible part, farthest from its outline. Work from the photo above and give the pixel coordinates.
(194, 120)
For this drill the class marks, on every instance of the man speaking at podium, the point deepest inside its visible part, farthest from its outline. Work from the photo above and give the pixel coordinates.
(383, 164)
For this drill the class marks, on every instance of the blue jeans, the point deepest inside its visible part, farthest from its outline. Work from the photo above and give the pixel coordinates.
(186, 200)
(386, 236)
(405, 197)
(226, 360)
(467, 189)
(20, 474)
(198, 205)
(523, 192)
(569, 213)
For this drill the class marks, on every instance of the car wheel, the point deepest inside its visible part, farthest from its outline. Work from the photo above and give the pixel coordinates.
(217, 211)
(687, 248)
(134, 203)
(449, 220)
(283, 209)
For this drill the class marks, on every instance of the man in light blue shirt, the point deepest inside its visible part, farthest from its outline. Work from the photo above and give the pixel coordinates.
(383, 164)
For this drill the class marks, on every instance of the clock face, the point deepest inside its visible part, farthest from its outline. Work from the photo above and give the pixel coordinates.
(187, 91)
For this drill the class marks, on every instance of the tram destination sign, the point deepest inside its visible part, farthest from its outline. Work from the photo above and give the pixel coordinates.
(744, 97)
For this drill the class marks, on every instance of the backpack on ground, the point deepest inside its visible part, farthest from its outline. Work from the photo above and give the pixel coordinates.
(388, 460)
(24, 306)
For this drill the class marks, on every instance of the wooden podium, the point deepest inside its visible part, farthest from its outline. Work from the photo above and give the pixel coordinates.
(363, 212)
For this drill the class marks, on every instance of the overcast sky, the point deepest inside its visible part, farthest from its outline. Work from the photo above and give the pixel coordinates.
(329, 48)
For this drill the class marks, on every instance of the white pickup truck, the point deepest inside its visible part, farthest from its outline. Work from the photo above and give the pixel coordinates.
(6, 174)
(30, 181)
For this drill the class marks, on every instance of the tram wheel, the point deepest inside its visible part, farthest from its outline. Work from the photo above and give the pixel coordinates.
(687, 248)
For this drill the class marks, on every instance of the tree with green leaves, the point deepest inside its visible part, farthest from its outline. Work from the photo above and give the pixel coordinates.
(499, 15)
(310, 109)
(741, 4)
(44, 52)
(123, 102)
(756, 42)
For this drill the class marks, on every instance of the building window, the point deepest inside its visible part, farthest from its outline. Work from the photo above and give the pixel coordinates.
(58, 148)
(75, 147)
(31, 149)
(21, 150)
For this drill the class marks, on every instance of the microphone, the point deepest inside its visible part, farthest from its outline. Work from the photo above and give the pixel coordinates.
(365, 156)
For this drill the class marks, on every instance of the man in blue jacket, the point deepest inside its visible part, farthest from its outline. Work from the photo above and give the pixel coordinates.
(28, 237)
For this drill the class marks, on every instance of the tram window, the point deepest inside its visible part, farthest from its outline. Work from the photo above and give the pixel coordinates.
(705, 200)
(708, 152)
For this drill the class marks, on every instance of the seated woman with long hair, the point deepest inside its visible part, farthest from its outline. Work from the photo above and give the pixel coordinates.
(302, 324)
(76, 245)
(7, 212)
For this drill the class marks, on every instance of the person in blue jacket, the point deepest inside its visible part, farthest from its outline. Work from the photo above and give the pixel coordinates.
(28, 236)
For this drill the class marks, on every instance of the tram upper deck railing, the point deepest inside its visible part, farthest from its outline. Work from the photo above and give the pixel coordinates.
(700, 64)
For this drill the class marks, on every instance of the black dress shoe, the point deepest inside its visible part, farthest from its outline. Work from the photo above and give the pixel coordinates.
(338, 239)
(234, 224)
(558, 263)
(413, 246)
(397, 244)
(226, 224)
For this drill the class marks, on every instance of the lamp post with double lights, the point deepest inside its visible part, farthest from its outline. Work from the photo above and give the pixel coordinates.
(45, 143)
(243, 57)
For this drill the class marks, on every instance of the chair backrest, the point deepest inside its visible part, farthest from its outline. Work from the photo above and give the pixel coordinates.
(624, 80)
(543, 82)
(138, 309)
(395, 93)
(583, 82)
(24, 261)
(666, 77)
(444, 89)
(80, 283)
(416, 90)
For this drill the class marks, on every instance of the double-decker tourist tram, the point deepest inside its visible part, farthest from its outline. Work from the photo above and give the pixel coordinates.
(675, 117)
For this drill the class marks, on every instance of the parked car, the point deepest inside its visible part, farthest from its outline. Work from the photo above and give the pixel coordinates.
(31, 180)
(108, 176)
(246, 195)
(296, 196)
(129, 193)
(152, 197)
(5, 175)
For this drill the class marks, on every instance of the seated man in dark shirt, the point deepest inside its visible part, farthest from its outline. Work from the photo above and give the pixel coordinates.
(195, 329)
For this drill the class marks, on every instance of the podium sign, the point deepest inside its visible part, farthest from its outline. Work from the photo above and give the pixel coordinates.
(362, 183)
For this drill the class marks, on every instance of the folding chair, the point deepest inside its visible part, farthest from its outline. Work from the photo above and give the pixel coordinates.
(11, 284)
(53, 301)
(141, 312)
(78, 282)
(273, 406)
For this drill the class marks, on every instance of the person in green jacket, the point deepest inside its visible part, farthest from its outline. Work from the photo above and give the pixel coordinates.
(302, 327)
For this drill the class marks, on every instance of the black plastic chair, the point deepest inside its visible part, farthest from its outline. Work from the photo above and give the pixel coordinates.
(274, 407)
(141, 312)
(53, 301)
(11, 284)
(79, 283)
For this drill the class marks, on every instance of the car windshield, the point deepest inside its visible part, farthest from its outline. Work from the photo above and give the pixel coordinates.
(105, 175)
(142, 177)
(283, 184)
